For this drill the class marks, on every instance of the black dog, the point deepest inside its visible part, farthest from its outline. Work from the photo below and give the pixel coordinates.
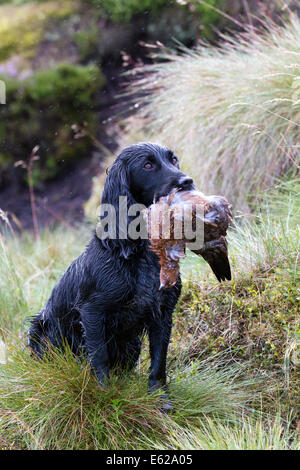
(109, 296)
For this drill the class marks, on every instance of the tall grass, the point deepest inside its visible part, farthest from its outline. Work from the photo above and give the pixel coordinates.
(252, 434)
(30, 269)
(230, 112)
(270, 238)
(57, 404)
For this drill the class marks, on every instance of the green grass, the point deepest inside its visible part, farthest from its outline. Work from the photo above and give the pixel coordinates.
(230, 112)
(256, 315)
(232, 359)
(57, 404)
(272, 234)
(250, 435)
(29, 270)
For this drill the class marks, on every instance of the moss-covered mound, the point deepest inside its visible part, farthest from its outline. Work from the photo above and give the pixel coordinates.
(41, 109)
(256, 318)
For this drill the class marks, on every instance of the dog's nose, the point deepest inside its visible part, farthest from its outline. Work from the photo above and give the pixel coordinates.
(186, 183)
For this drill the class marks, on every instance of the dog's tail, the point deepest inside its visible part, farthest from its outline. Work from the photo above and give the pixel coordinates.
(45, 331)
(37, 335)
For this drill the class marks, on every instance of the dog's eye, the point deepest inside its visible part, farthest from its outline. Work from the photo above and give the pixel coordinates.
(148, 166)
(174, 160)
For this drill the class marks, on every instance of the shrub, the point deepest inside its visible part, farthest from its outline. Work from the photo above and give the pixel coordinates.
(167, 18)
(124, 10)
(40, 111)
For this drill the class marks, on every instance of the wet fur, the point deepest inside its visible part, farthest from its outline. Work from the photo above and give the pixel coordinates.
(109, 296)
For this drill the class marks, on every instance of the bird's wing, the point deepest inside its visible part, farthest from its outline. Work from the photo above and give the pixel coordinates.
(215, 254)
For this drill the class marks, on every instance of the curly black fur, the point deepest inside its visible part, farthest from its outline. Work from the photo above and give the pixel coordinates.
(109, 296)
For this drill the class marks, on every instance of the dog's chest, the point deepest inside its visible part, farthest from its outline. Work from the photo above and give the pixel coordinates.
(144, 302)
(145, 295)
(147, 278)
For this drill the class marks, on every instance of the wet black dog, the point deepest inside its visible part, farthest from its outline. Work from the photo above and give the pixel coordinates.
(109, 296)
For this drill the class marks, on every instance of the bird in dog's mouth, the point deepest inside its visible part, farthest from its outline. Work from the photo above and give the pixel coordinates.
(206, 218)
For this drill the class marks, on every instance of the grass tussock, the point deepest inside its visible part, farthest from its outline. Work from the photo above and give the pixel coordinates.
(229, 112)
(57, 404)
(29, 271)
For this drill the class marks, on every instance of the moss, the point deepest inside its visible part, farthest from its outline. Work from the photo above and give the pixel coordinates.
(41, 110)
(256, 318)
(22, 26)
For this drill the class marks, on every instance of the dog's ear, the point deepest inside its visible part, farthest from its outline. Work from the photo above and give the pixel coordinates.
(117, 184)
(117, 193)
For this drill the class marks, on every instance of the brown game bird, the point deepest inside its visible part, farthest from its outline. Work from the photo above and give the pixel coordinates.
(166, 221)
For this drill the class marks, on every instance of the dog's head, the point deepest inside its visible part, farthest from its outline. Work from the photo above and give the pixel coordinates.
(143, 173)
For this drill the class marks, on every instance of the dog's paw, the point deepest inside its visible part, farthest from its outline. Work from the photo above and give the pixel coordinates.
(167, 405)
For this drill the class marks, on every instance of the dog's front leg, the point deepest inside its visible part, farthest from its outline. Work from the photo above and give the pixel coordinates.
(95, 338)
(159, 337)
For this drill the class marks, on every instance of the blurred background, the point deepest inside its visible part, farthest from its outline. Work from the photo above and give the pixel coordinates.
(64, 64)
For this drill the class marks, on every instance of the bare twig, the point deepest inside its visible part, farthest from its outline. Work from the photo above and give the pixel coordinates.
(28, 167)
(221, 12)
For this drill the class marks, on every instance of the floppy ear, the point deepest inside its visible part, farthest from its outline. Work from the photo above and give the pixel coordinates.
(117, 193)
(116, 184)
